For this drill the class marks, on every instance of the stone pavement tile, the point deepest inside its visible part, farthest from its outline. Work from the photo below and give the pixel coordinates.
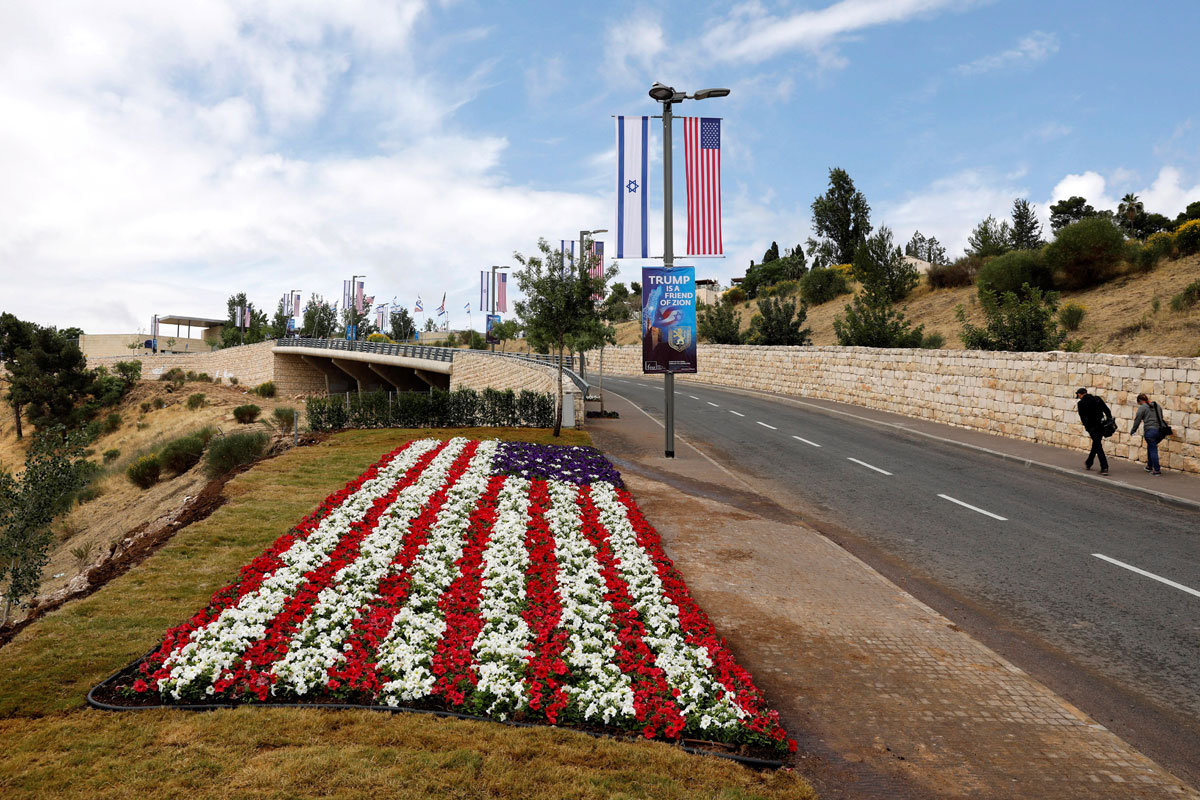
(904, 703)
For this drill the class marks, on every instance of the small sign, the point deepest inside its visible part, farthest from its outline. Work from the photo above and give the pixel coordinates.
(492, 321)
(668, 320)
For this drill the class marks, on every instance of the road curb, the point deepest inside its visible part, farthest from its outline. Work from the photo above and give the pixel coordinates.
(1163, 497)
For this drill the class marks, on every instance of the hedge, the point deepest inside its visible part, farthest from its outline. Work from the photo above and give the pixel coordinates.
(462, 408)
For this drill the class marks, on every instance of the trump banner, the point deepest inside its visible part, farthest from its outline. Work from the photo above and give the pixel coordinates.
(668, 320)
(492, 321)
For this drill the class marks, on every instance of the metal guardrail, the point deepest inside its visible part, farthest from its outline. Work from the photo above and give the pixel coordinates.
(432, 353)
(382, 348)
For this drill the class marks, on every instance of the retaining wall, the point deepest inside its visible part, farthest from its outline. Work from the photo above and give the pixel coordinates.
(482, 371)
(1023, 395)
(251, 364)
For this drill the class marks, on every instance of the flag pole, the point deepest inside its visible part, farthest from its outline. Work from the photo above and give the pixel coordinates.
(668, 262)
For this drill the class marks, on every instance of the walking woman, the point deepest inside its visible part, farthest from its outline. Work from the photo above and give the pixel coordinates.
(1149, 416)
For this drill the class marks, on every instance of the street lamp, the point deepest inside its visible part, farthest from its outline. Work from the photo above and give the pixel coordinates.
(667, 95)
(492, 295)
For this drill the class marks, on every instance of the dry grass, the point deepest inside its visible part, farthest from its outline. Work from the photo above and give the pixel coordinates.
(55, 747)
(1119, 317)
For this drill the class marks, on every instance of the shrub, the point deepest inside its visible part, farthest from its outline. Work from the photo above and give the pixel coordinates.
(111, 423)
(265, 389)
(1189, 297)
(1187, 237)
(158, 402)
(933, 341)
(247, 413)
(174, 376)
(778, 323)
(145, 407)
(144, 471)
(785, 288)
(1142, 257)
(1070, 316)
(87, 494)
(196, 401)
(285, 417)
(436, 409)
(180, 455)
(206, 434)
(961, 272)
(1086, 253)
(1011, 271)
(881, 268)
(230, 452)
(734, 296)
(823, 284)
(1017, 322)
(191, 376)
(1162, 243)
(111, 455)
(379, 337)
(234, 380)
(870, 321)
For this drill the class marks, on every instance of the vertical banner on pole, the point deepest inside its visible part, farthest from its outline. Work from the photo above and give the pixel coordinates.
(668, 320)
(492, 321)
(633, 187)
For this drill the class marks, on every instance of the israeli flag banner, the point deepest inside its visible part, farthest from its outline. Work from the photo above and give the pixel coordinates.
(633, 187)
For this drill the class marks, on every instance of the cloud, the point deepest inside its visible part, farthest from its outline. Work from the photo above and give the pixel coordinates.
(950, 207)
(1031, 49)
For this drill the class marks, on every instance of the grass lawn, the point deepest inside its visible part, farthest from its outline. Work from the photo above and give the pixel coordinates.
(55, 746)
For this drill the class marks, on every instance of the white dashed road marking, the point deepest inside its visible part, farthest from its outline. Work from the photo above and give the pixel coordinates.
(868, 466)
(806, 441)
(1151, 575)
(765, 425)
(973, 508)
(740, 414)
(714, 405)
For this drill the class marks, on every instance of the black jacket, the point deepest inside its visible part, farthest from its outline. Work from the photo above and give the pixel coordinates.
(1092, 412)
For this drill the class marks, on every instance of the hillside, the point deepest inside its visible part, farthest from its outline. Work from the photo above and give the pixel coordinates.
(1120, 314)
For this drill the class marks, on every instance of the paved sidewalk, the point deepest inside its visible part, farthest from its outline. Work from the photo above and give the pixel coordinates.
(887, 698)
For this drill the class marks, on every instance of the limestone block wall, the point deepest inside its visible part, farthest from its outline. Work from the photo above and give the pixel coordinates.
(483, 370)
(1023, 395)
(251, 364)
(295, 376)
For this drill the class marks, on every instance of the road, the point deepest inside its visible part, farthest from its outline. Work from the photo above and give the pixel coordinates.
(1094, 592)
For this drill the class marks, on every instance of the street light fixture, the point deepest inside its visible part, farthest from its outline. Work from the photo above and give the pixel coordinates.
(667, 95)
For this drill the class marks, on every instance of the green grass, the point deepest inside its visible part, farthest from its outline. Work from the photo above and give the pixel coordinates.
(56, 746)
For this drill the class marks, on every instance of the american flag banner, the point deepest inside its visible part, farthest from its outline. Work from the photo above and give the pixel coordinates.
(247, 317)
(596, 270)
(358, 297)
(702, 151)
(502, 293)
(296, 306)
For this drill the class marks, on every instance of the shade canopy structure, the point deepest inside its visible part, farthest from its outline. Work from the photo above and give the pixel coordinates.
(181, 320)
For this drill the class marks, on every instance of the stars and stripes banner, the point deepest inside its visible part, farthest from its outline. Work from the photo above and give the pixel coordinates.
(633, 187)
(596, 270)
(502, 293)
(358, 297)
(702, 157)
(442, 308)
(505, 579)
(296, 305)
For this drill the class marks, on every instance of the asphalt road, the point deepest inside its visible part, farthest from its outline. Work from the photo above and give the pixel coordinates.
(1048, 570)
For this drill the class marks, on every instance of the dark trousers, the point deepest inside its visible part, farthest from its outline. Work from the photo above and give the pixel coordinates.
(1097, 449)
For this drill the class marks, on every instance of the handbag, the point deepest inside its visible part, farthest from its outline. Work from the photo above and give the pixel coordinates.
(1164, 430)
(1108, 427)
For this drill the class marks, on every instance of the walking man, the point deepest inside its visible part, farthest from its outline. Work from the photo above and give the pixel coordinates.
(1093, 413)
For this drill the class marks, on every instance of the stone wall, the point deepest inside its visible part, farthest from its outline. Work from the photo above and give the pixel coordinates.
(1023, 395)
(295, 376)
(250, 364)
(482, 371)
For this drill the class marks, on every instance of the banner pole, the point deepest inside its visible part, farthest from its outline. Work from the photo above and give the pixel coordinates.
(668, 262)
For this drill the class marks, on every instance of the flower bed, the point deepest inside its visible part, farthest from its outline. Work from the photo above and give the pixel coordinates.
(505, 580)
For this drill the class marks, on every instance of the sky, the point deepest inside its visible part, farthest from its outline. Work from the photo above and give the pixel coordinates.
(159, 157)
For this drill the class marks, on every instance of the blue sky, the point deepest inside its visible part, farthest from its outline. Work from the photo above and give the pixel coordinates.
(158, 162)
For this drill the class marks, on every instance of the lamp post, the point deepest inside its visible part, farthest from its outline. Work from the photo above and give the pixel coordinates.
(492, 295)
(354, 301)
(667, 95)
(583, 256)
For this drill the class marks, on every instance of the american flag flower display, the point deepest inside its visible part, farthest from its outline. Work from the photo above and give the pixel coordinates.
(501, 579)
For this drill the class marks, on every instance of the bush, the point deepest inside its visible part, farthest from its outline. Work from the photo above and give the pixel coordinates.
(174, 376)
(230, 452)
(144, 471)
(1070, 316)
(870, 321)
(823, 284)
(1086, 253)
(933, 341)
(881, 268)
(1020, 322)
(111, 423)
(285, 417)
(145, 407)
(182, 454)
(196, 401)
(961, 272)
(1011, 271)
(1186, 299)
(247, 413)
(206, 434)
(734, 296)
(1187, 237)
(436, 409)
(158, 402)
(778, 323)
(785, 288)
(380, 337)
(111, 455)
(1142, 257)
(265, 389)
(233, 381)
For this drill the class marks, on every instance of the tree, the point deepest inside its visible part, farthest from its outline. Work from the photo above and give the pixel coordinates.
(772, 253)
(50, 379)
(232, 334)
(1065, 212)
(15, 335)
(871, 322)
(990, 238)
(558, 303)
(430, 325)
(719, 324)
(879, 267)
(929, 250)
(1130, 214)
(54, 471)
(320, 319)
(778, 323)
(1026, 227)
(506, 330)
(279, 329)
(361, 320)
(1016, 322)
(841, 220)
(1191, 212)
(401, 324)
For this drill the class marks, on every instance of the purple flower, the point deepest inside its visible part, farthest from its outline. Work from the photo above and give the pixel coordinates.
(578, 465)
